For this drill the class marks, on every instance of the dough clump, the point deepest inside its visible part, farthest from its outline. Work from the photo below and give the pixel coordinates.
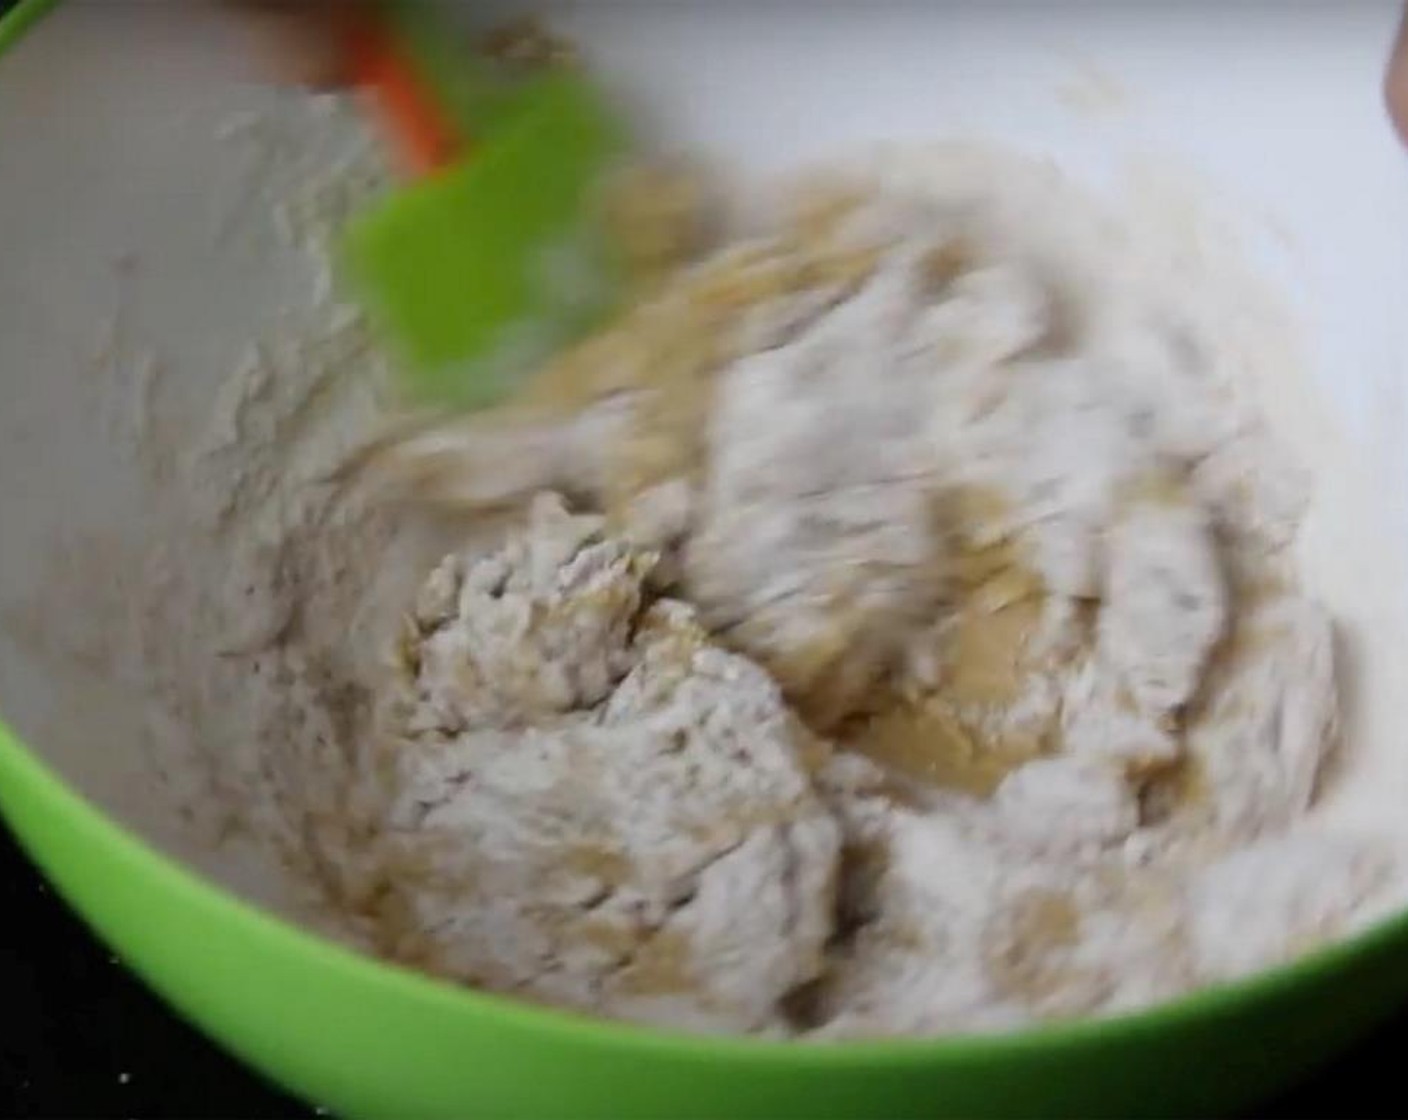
(596, 804)
(995, 660)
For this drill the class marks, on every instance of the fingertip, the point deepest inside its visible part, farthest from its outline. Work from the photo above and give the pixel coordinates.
(1395, 88)
(299, 44)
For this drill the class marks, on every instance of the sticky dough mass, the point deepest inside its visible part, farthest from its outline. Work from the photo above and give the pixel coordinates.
(616, 810)
(924, 639)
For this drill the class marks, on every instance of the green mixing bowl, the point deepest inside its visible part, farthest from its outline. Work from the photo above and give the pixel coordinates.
(370, 1040)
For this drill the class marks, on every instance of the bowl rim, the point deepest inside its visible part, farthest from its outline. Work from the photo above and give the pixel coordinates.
(24, 773)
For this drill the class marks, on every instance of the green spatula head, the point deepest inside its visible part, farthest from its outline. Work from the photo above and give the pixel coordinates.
(480, 272)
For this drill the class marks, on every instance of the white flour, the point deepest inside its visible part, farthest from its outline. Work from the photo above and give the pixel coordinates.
(967, 463)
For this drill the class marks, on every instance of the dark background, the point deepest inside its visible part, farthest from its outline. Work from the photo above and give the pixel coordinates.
(79, 1037)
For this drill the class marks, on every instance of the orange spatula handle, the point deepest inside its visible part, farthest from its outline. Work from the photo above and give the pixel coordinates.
(418, 130)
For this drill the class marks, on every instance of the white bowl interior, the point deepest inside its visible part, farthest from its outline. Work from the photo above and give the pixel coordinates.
(129, 239)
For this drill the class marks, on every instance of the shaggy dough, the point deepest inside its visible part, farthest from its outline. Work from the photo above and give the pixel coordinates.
(948, 460)
(616, 811)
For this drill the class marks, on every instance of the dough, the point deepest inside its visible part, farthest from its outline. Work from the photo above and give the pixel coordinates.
(946, 459)
(595, 804)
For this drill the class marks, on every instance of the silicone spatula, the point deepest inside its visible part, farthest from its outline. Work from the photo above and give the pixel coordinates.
(491, 255)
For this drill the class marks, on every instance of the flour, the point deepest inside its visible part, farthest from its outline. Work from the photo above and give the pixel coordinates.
(891, 625)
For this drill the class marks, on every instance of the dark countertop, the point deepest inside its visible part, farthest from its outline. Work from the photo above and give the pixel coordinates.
(79, 1037)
